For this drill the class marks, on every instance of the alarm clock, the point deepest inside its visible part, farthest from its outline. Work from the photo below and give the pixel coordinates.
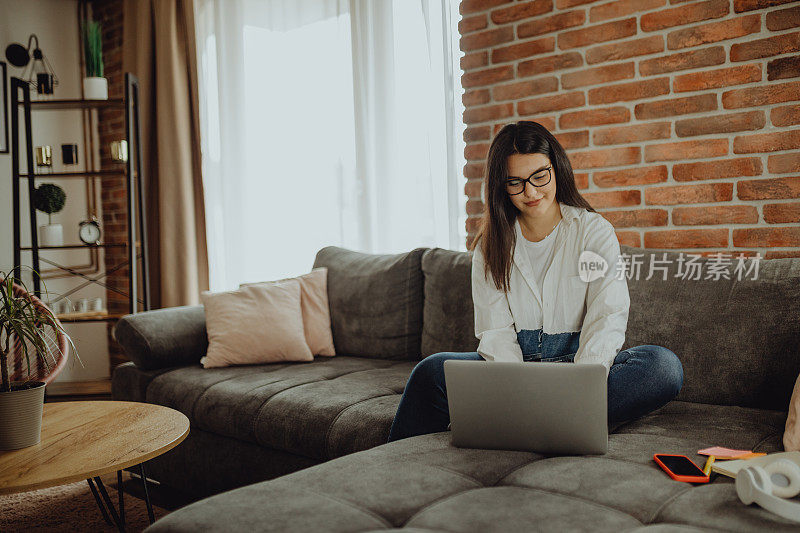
(89, 231)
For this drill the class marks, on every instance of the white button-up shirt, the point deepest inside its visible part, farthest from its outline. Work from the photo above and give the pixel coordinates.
(589, 315)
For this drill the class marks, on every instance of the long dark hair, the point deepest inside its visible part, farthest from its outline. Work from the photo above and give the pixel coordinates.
(499, 214)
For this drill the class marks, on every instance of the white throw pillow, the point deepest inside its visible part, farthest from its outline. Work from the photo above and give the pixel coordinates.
(255, 324)
(316, 312)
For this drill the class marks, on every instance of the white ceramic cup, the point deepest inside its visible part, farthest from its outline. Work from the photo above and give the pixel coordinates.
(82, 306)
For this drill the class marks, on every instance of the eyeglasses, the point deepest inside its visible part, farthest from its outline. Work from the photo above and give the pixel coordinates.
(540, 178)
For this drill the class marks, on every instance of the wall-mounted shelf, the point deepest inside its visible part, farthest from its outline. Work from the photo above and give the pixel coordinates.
(94, 316)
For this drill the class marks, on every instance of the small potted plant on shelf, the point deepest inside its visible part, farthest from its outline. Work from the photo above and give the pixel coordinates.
(29, 334)
(50, 198)
(95, 86)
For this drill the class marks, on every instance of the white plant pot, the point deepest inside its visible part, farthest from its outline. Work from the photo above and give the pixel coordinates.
(51, 235)
(21, 413)
(95, 88)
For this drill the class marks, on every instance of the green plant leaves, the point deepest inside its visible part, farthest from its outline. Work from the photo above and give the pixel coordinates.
(93, 48)
(49, 198)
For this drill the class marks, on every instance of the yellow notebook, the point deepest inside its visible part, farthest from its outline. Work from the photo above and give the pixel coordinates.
(731, 468)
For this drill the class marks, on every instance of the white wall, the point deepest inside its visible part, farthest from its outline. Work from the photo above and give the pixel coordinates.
(55, 22)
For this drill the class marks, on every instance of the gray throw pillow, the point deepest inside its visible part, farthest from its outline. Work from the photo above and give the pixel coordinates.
(449, 319)
(738, 339)
(375, 302)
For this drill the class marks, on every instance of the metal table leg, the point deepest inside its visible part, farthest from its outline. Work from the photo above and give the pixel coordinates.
(121, 496)
(150, 514)
(106, 506)
(105, 503)
(99, 502)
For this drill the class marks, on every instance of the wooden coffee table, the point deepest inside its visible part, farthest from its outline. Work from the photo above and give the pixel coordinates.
(84, 440)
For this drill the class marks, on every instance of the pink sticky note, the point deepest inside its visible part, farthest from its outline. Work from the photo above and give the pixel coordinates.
(723, 453)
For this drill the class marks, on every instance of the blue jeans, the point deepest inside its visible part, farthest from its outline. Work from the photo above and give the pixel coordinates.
(642, 379)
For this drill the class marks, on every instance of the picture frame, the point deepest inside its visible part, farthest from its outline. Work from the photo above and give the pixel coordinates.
(3, 108)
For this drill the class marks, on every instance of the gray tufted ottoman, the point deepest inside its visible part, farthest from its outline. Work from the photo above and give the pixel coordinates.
(425, 484)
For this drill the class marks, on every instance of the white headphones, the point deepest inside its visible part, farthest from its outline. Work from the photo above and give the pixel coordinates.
(768, 485)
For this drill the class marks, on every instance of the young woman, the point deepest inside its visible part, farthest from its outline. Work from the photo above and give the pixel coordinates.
(533, 300)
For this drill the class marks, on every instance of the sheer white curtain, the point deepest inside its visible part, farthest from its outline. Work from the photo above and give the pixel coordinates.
(327, 122)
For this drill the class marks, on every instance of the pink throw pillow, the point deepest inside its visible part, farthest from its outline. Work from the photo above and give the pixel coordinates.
(316, 312)
(791, 435)
(254, 325)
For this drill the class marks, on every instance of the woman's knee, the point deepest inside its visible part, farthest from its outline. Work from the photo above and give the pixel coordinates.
(667, 367)
(431, 369)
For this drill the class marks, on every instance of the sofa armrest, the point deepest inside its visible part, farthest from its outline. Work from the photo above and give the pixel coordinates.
(175, 336)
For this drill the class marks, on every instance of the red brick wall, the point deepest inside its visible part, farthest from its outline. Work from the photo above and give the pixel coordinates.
(681, 118)
(113, 190)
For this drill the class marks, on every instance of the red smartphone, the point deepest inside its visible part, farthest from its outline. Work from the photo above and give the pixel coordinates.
(680, 468)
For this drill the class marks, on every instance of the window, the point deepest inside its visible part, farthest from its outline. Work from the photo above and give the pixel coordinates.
(325, 126)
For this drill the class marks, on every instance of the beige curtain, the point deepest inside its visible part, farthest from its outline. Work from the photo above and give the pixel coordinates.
(159, 48)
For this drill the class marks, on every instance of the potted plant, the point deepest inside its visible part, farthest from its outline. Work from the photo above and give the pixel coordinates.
(95, 86)
(50, 198)
(27, 327)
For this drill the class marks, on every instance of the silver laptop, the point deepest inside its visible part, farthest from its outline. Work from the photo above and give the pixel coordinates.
(553, 408)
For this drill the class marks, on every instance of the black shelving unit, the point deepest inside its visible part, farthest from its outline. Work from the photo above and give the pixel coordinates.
(132, 173)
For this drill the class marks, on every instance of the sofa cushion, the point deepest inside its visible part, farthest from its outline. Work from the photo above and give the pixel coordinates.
(738, 340)
(376, 302)
(448, 323)
(322, 409)
(425, 484)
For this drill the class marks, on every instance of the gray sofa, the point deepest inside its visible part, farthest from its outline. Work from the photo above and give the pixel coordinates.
(325, 423)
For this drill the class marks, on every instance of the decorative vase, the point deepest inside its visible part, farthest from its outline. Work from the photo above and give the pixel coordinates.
(21, 413)
(95, 88)
(51, 235)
